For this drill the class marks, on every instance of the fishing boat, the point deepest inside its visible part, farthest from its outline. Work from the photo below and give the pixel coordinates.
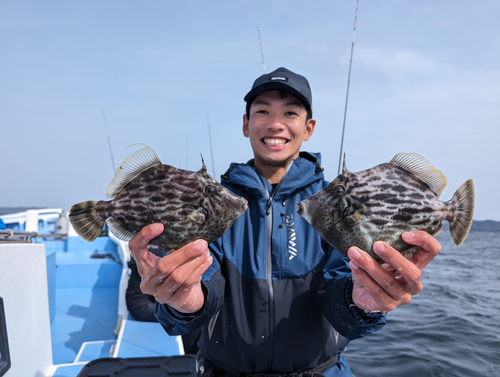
(63, 309)
(62, 299)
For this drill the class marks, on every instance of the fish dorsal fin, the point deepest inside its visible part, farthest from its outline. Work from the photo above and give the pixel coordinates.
(134, 165)
(344, 166)
(204, 167)
(422, 169)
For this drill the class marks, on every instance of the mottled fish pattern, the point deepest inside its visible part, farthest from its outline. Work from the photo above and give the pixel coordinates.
(191, 205)
(381, 203)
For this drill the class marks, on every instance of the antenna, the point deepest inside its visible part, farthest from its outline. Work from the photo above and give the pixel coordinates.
(179, 157)
(109, 141)
(348, 84)
(261, 51)
(211, 149)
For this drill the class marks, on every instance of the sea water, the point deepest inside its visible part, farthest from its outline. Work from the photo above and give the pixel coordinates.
(451, 328)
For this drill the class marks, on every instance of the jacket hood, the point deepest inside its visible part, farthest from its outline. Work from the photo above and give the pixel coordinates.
(303, 171)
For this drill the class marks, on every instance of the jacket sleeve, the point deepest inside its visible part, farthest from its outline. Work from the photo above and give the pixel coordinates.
(335, 295)
(140, 305)
(213, 284)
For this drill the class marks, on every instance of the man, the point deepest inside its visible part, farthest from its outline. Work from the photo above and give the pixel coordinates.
(270, 295)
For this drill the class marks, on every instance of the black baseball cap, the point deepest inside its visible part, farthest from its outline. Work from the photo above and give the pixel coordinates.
(282, 79)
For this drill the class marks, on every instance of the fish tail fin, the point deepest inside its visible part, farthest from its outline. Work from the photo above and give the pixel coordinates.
(464, 199)
(84, 219)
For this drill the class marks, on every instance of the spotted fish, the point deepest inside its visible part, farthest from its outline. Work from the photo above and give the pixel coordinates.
(383, 202)
(191, 205)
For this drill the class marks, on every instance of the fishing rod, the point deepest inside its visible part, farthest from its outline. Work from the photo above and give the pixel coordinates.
(187, 154)
(109, 141)
(211, 149)
(348, 84)
(261, 51)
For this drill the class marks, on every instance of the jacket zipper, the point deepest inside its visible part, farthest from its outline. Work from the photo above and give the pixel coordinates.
(269, 261)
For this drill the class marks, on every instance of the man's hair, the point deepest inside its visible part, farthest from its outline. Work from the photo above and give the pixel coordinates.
(282, 93)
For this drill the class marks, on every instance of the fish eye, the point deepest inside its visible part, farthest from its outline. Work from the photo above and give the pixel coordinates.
(339, 190)
(209, 190)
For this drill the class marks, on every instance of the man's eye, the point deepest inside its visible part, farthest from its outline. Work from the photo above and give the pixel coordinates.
(291, 113)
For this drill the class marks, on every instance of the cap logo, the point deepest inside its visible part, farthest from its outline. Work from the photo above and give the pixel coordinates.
(278, 78)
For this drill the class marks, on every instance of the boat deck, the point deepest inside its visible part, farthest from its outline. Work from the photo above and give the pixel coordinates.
(86, 303)
(85, 324)
(73, 304)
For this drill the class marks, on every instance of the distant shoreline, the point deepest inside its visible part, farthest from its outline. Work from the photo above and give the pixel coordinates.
(477, 225)
(485, 226)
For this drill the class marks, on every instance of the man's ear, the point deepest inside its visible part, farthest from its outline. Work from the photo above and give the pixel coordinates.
(246, 132)
(311, 123)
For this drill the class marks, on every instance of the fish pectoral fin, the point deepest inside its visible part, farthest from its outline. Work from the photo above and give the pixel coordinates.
(349, 221)
(133, 165)
(195, 215)
(348, 211)
(353, 219)
(351, 216)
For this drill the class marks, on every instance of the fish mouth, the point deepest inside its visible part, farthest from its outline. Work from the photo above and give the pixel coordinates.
(274, 141)
(300, 209)
(244, 207)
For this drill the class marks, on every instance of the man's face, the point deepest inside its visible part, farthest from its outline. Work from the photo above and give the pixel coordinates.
(277, 127)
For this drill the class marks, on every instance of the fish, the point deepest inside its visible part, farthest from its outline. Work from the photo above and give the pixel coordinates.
(190, 204)
(381, 203)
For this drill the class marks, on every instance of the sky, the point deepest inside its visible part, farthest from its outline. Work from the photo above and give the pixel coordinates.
(425, 78)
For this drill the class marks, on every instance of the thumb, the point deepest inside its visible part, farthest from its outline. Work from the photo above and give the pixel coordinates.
(138, 247)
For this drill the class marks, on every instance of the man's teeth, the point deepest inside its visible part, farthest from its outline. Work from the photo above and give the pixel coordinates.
(270, 141)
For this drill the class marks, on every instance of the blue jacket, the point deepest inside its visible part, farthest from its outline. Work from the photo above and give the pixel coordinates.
(277, 297)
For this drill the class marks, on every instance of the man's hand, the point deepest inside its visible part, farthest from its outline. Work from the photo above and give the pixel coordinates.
(175, 279)
(385, 287)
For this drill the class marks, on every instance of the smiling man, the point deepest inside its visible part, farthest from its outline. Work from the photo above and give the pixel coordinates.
(270, 296)
(277, 126)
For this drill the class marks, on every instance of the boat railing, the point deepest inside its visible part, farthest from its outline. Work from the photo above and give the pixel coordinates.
(33, 220)
(8, 235)
(11, 236)
(27, 226)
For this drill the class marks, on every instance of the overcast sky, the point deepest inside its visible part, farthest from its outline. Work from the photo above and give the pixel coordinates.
(425, 79)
